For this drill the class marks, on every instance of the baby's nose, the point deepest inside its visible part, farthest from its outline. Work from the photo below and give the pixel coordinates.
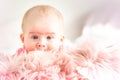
(41, 45)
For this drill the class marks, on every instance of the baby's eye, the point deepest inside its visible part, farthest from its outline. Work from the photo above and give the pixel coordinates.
(35, 37)
(50, 37)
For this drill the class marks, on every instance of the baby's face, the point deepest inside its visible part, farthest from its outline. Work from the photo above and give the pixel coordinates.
(42, 34)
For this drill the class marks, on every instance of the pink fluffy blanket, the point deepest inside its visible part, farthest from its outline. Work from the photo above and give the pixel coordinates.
(82, 62)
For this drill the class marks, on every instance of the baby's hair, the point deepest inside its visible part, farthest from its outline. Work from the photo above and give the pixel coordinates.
(41, 10)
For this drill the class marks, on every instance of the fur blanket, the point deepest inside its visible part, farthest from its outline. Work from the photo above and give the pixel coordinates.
(85, 61)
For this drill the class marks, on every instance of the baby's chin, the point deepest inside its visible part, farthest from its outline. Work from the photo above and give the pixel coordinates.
(40, 52)
(37, 52)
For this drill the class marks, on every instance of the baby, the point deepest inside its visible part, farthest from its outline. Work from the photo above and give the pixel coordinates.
(42, 30)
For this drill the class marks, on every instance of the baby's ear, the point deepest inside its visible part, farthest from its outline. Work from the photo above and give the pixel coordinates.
(62, 38)
(22, 37)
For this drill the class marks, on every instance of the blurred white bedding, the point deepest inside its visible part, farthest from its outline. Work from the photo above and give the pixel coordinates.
(103, 25)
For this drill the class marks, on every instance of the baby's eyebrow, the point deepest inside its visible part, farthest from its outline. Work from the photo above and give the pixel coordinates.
(46, 33)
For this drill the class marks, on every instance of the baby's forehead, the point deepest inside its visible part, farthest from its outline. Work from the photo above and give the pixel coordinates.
(40, 13)
(53, 34)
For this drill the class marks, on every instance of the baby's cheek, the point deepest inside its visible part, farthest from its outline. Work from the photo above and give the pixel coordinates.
(30, 47)
(53, 47)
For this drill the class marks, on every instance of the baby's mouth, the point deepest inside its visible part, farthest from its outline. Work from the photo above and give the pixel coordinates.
(40, 49)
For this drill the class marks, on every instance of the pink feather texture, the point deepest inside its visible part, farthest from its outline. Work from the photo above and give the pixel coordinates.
(85, 61)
